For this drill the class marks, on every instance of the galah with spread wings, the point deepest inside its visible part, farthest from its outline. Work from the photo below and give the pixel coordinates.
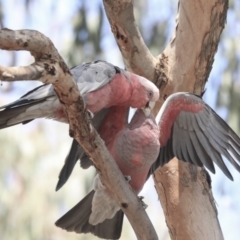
(101, 85)
(188, 129)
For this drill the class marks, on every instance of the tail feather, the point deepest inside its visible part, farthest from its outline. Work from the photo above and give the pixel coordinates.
(77, 220)
(11, 111)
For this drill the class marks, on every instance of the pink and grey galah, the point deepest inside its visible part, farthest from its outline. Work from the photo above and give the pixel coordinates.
(101, 85)
(134, 147)
(188, 129)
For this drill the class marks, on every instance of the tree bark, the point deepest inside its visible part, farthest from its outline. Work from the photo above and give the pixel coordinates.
(49, 67)
(184, 190)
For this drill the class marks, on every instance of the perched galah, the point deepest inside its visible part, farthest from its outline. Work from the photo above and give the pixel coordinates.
(188, 129)
(135, 148)
(101, 85)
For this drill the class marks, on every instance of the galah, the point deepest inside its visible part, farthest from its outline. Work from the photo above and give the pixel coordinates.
(134, 147)
(101, 85)
(188, 129)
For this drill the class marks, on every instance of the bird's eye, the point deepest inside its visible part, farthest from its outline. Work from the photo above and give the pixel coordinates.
(150, 94)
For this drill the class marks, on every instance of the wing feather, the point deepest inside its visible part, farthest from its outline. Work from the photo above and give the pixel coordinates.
(193, 156)
(176, 144)
(222, 150)
(92, 76)
(166, 153)
(198, 135)
(201, 152)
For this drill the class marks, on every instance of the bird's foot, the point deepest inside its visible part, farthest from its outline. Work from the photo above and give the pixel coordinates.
(90, 114)
(128, 178)
(143, 203)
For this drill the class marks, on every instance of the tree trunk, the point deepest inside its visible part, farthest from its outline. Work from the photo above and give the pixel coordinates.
(184, 190)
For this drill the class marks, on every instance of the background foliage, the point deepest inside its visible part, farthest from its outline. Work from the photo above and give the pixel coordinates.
(31, 155)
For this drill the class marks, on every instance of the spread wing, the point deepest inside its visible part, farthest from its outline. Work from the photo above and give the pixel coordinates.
(197, 135)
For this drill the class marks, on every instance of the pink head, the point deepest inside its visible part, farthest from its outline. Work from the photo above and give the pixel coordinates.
(144, 94)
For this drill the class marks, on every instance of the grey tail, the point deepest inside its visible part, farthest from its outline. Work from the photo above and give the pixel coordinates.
(77, 220)
(76, 152)
(12, 110)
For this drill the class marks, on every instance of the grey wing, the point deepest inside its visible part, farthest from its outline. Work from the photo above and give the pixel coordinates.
(76, 152)
(89, 77)
(41, 92)
(42, 101)
(201, 139)
(92, 76)
(37, 103)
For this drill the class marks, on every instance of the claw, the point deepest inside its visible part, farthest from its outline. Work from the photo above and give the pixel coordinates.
(91, 128)
(90, 114)
(128, 178)
(143, 203)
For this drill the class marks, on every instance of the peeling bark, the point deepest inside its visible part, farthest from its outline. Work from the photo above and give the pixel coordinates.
(191, 55)
(187, 201)
(49, 67)
(184, 65)
(136, 56)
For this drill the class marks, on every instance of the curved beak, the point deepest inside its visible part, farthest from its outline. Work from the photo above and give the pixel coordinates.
(148, 108)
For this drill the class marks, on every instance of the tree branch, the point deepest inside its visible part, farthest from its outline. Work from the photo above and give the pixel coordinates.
(32, 72)
(136, 56)
(184, 65)
(189, 57)
(52, 69)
